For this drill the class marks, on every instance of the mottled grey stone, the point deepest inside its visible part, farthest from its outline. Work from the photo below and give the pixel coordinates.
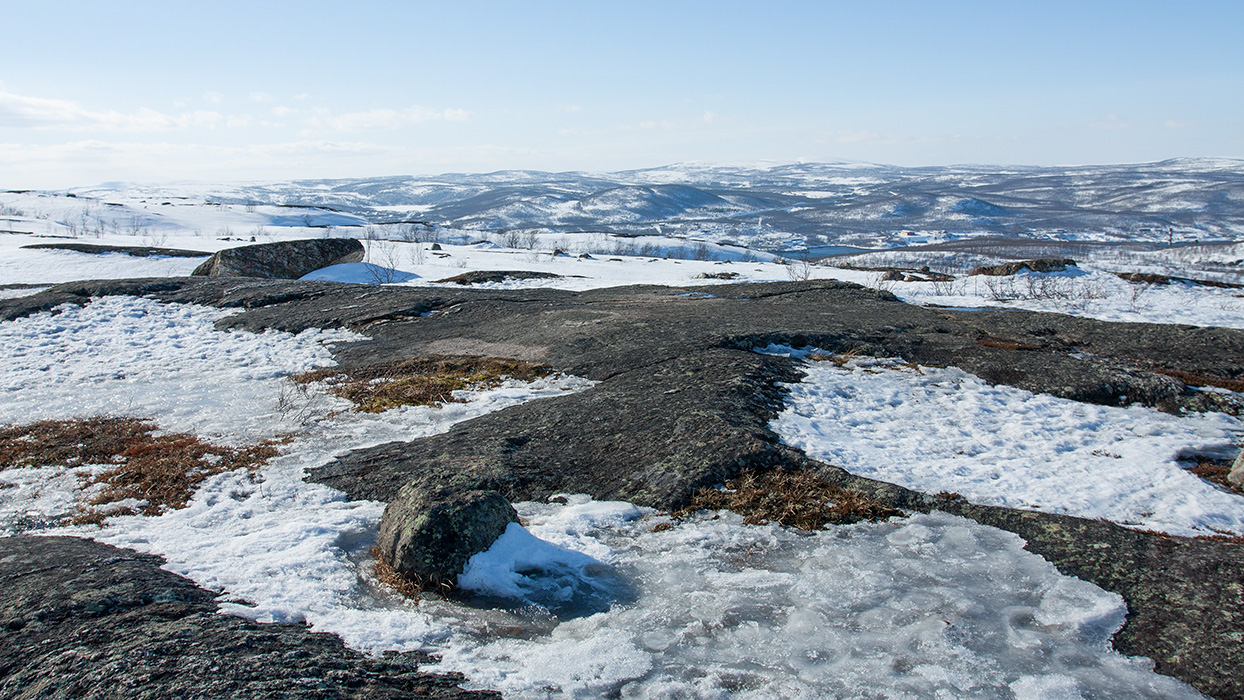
(81, 619)
(1038, 265)
(1236, 475)
(281, 260)
(432, 528)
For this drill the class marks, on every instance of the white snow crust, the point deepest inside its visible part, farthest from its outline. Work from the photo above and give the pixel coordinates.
(937, 430)
(138, 357)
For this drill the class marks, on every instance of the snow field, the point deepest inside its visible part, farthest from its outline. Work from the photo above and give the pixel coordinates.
(1091, 291)
(138, 357)
(936, 430)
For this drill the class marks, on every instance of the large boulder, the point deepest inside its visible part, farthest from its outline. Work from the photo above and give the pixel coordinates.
(430, 530)
(1038, 265)
(281, 260)
(1236, 475)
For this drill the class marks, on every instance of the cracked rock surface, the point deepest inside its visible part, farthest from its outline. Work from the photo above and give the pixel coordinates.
(82, 619)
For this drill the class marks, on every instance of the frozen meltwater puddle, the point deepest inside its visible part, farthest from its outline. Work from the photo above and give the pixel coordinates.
(592, 599)
(935, 430)
(925, 607)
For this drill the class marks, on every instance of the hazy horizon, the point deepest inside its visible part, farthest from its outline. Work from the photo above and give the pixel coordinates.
(147, 92)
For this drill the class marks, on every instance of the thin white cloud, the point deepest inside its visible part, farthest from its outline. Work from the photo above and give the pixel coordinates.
(1174, 124)
(261, 97)
(213, 97)
(23, 112)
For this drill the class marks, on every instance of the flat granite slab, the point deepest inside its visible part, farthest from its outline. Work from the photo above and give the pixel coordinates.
(82, 619)
(683, 401)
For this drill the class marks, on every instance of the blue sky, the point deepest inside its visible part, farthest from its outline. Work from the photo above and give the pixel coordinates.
(161, 91)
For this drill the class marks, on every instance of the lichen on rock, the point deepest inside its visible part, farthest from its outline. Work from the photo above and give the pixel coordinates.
(281, 260)
(430, 531)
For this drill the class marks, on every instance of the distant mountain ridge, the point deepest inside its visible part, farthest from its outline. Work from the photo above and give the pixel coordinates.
(817, 204)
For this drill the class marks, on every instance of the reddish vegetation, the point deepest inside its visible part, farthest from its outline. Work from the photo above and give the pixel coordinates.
(162, 471)
(793, 499)
(419, 381)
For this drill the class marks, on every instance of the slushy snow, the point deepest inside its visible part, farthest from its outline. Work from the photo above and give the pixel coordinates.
(935, 430)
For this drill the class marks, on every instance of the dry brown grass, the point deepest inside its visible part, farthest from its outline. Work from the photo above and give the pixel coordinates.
(402, 584)
(1005, 344)
(160, 470)
(1214, 471)
(839, 359)
(390, 578)
(793, 499)
(420, 381)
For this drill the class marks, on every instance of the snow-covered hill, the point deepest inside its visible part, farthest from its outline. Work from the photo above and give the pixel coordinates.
(819, 205)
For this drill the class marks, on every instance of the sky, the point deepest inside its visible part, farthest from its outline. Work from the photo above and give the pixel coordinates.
(169, 91)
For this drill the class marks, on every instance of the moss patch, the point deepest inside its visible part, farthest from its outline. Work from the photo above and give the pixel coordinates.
(420, 381)
(790, 498)
(162, 471)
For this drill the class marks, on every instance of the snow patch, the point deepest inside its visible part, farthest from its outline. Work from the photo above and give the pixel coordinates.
(936, 430)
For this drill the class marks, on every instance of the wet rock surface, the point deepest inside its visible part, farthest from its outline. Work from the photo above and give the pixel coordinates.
(86, 620)
(281, 260)
(683, 401)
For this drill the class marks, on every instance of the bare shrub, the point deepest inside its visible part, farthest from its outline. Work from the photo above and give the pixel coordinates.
(943, 287)
(509, 239)
(799, 270)
(529, 240)
(384, 258)
(623, 247)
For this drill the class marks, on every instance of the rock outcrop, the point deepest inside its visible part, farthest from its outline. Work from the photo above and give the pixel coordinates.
(135, 251)
(287, 260)
(82, 619)
(432, 528)
(487, 276)
(1038, 265)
